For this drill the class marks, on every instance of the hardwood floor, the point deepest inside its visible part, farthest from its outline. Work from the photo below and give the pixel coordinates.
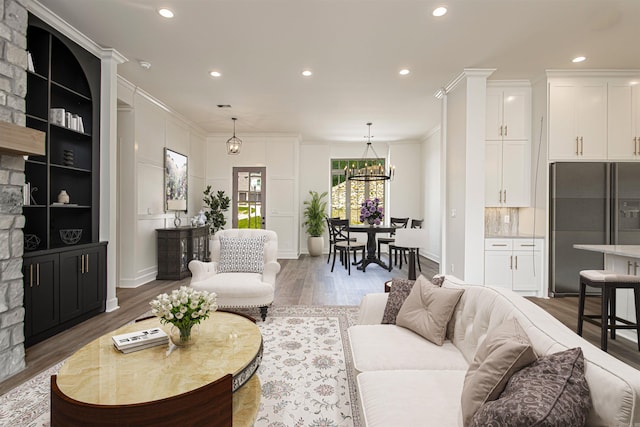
(305, 281)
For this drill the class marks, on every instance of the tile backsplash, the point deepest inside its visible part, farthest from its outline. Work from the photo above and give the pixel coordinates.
(501, 221)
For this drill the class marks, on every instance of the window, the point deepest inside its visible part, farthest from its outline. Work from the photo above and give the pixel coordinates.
(346, 196)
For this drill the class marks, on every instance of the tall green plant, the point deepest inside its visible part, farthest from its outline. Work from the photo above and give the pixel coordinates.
(218, 204)
(314, 214)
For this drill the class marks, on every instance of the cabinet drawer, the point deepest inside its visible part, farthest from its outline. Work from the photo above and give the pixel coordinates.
(528, 244)
(498, 244)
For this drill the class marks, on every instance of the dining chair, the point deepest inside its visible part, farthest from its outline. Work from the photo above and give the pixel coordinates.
(395, 223)
(333, 238)
(345, 244)
(401, 252)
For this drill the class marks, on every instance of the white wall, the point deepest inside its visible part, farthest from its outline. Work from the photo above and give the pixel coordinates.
(432, 201)
(279, 154)
(145, 128)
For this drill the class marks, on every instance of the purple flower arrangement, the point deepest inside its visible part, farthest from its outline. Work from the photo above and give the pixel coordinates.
(371, 212)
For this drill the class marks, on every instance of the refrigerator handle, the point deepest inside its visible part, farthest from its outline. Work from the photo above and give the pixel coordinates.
(611, 213)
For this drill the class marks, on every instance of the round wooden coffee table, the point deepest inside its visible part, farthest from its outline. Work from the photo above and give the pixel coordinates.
(226, 343)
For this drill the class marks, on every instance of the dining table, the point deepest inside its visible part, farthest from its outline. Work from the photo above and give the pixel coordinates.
(372, 254)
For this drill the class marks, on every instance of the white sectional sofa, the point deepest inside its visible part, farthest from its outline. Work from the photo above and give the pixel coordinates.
(405, 380)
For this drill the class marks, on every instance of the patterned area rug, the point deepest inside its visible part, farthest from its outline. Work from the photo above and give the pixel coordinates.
(306, 373)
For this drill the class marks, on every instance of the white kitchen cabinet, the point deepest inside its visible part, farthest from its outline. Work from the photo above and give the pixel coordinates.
(507, 145)
(623, 130)
(514, 264)
(578, 119)
(507, 174)
(508, 112)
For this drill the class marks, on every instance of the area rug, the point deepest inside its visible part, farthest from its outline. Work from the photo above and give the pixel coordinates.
(306, 373)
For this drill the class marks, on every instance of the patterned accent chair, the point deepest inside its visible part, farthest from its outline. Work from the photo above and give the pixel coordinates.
(243, 269)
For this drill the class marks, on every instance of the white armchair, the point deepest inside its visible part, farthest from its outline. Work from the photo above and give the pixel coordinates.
(243, 269)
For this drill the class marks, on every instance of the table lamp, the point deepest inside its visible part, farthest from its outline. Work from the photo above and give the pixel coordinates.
(177, 205)
(411, 239)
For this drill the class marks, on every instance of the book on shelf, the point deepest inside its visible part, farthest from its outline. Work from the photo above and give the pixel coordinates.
(139, 340)
(57, 116)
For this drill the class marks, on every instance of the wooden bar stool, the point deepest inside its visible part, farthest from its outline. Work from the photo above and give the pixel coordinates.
(608, 282)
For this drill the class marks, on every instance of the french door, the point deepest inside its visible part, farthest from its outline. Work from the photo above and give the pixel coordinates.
(249, 189)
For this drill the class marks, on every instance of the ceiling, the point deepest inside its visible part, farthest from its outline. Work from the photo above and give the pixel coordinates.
(355, 49)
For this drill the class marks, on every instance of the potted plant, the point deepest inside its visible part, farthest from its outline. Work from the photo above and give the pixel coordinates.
(218, 203)
(314, 215)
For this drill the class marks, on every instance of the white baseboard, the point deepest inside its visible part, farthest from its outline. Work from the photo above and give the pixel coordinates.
(112, 305)
(147, 276)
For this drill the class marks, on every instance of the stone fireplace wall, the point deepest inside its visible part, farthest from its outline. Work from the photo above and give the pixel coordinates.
(13, 88)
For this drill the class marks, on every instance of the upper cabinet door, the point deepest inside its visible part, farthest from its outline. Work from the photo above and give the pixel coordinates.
(494, 125)
(623, 124)
(508, 113)
(577, 120)
(516, 114)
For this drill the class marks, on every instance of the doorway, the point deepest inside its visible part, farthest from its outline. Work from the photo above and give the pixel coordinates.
(249, 189)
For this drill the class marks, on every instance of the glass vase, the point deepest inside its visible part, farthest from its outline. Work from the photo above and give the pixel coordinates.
(183, 336)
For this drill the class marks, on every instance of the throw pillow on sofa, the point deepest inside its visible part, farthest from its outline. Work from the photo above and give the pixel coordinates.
(400, 289)
(505, 350)
(428, 309)
(241, 254)
(552, 391)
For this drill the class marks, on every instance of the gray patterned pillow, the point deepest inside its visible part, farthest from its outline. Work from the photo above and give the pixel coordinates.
(550, 392)
(400, 289)
(241, 254)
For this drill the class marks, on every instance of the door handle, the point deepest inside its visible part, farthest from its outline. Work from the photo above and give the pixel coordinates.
(511, 262)
(635, 268)
(581, 146)
(86, 270)
(81, 264)
(31, 276)
(635, 145)
(506, 130)
(505, 196)
(516, 262)
(500, 130)
(577, 146)
(629, 264)
(38, 274)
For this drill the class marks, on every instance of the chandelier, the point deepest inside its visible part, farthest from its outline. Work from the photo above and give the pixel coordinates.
(234, 143)
(370, 168)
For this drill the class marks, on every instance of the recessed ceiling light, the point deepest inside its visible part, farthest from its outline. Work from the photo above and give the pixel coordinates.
(166, 13)
(307, 73)
(439, 11)
(404, 72)
(215, 74)
(578, 59)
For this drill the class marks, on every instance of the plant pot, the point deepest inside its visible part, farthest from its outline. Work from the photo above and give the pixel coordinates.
(315, 245)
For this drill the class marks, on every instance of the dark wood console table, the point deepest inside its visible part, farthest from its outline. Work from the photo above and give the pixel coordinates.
(178, 246)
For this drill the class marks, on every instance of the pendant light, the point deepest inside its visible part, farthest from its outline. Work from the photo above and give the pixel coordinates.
(234, 143)
(372, 168)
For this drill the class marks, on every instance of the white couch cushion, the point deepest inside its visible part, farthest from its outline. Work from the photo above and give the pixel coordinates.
(391, 347)
(411, 398)
(238, 289)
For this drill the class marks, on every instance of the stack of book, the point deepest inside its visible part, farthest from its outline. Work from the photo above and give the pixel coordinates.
(139, 340)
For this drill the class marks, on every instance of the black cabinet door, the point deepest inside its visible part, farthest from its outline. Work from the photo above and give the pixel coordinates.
(41, 294)
(92, 278)
(70, 289)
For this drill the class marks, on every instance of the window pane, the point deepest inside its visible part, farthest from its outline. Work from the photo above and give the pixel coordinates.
(346, 196)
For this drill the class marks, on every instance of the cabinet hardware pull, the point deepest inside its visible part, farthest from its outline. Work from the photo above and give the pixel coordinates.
(506, 130)
(511, 262)
(81, 264)
(516, 262)
(87, 263)
(498, 244)
(635, 268)
(500, 196)
(38, 274)
(581, 146)
(505, 196)
(577, 146)
(635, 145)
(629, 264)
(528, 244)
(501, 130)
(31, 276)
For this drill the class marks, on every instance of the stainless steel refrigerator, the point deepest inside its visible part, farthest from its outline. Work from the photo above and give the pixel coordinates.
(591, 203)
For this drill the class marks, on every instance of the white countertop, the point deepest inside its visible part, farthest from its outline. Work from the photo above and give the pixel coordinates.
(622, 250)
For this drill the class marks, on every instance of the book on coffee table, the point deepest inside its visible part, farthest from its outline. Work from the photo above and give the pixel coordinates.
(139, 340)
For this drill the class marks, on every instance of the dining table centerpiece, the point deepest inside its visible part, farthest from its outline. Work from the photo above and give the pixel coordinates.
(183, 308)
(371, 212)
